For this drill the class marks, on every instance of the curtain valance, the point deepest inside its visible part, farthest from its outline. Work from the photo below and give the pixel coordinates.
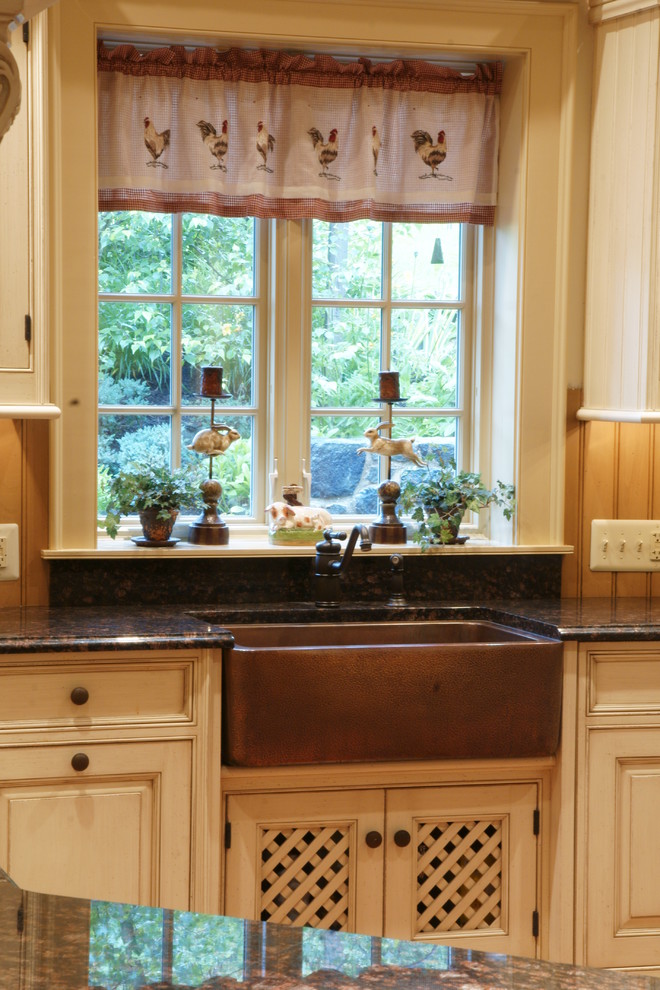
(269, 134)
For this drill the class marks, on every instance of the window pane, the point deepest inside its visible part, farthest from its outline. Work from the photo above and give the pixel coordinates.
(347, 260)
(218, 335)
(434, 437)
(343, 481)
(135, 345)
(127, 440)
(425, 261)
(135, 252)
(233, 469)
(217, 255)
(425, 348)
(345, 356)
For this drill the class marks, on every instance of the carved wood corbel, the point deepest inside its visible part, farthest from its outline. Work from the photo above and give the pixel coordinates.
(10, 88)
(13, 12)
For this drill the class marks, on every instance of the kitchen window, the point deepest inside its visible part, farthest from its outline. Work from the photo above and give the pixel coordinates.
(181, 291)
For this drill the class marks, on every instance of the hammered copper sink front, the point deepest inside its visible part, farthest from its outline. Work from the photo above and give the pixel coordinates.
(302, 694)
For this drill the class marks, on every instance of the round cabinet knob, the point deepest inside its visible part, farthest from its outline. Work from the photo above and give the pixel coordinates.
(80, 696)
(401, 838)
(373, 839)
(80, 761)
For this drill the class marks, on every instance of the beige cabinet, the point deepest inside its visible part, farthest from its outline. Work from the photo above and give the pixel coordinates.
(620, 791)
(99, 820)
(457, 864)
(109, 786)
(24, 319)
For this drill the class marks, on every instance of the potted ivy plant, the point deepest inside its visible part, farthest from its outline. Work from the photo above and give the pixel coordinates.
(156, 494)
(439, 501)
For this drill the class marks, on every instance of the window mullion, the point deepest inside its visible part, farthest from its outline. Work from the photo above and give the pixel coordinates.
(176, 332)
(386, 296)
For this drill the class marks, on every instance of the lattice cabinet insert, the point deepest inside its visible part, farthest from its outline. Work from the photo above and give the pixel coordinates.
(455, 863)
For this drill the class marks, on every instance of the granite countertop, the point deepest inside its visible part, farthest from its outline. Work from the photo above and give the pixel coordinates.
(62, 943)
(41, 628)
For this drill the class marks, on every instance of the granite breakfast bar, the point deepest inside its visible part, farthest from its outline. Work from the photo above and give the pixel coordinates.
(59, 943)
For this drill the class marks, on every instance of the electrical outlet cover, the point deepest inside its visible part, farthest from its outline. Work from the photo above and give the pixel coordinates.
(10, 570)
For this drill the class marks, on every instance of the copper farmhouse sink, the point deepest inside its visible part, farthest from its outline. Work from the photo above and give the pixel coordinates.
(324, 693)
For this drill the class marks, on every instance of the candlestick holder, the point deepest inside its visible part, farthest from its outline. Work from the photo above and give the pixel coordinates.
(388, 528)
(209, 528)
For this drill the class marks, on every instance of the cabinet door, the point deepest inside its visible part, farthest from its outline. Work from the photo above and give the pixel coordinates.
(623, 852)
(118, 830)
(14, 242)
(304, 859)
(461, 866)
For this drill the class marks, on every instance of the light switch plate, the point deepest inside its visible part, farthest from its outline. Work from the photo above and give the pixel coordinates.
(9, 552)
(625, 545)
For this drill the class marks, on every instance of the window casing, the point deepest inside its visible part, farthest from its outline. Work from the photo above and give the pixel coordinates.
(530, 294)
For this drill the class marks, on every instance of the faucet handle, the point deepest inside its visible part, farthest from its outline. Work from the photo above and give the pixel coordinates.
(330, 534)
(328, 544)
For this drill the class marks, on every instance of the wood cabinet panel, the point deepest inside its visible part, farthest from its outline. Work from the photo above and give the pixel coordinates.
(117, 692)
(456, 864)
(622, 682)
(468, 874)
(623, 874)
(119, 830)
(304, 859)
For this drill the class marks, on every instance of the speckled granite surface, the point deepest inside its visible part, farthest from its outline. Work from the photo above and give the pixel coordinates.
(170, 580)
(59, 943)
(121, 627)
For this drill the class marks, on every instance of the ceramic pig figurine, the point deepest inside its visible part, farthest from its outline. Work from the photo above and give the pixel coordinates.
(214, 440)
(296, 524)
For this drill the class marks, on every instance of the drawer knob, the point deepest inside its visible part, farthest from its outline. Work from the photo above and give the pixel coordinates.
(80, 761)
(401, 838)
(373, 839)
(80, 696)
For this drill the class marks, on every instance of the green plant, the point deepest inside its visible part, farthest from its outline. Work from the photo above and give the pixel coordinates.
(138, 488)
(438, 502)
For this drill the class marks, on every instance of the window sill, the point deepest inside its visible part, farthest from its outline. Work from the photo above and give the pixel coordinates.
(254, 543)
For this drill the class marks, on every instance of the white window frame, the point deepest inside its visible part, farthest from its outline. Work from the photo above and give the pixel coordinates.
(526, 278)
(294, 454)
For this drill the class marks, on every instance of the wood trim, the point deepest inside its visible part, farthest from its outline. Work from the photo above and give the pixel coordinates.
(24, 451)
(11, 441)
(633, 496)
(573, 494)
(607, 10)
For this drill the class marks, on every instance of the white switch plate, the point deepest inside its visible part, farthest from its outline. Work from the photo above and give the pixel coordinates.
(625, 545)
(9, 552)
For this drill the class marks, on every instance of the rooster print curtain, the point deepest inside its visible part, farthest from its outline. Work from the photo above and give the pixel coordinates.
(268, 134)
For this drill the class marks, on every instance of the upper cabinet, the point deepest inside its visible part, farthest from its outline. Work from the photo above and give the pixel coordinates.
(622, 333)
(24, 371)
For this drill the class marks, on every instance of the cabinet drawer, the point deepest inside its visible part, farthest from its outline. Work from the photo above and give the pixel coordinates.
(624, 681)
(101, 693)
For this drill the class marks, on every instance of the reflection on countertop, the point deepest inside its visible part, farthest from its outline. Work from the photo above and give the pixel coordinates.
(61, 943)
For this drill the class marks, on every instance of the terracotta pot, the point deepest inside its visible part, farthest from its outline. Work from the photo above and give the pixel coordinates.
(446, 515)
(157, 530)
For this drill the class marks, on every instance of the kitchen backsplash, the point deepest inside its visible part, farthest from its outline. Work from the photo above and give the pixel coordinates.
(244, 580)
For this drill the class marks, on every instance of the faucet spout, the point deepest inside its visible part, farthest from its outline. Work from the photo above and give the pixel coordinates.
(341, 566)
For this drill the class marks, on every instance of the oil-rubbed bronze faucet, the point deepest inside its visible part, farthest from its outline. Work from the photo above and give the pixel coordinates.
(330, 566)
